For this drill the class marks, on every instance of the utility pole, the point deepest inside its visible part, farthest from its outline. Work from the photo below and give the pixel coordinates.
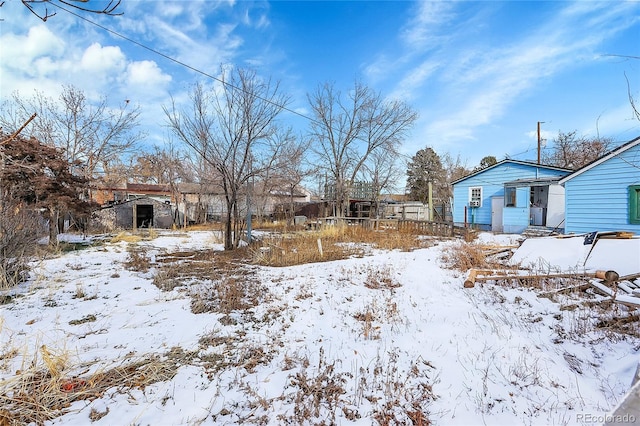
(539, 140)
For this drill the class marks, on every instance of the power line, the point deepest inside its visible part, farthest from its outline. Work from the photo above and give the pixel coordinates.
(157, 52)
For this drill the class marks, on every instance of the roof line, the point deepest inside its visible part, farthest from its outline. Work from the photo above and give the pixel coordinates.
(613, 153)
(508, 160)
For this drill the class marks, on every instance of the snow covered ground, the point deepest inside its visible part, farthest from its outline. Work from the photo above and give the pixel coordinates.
(388, 338)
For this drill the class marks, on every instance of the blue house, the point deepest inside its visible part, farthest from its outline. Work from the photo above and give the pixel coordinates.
(509, 196)
(605, 194)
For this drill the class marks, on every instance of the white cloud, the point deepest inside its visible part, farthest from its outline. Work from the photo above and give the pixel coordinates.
(146, 73)
(481, 82)
(99, 59)
(422, 30)
(405, 89)
(20, 51)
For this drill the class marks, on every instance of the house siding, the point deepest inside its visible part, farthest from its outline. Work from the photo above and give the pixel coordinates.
(597, 199)
(492, 182)
(515, 219)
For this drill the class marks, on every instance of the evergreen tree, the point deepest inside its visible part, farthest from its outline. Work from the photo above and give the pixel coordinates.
(487, 161)
(425, 166)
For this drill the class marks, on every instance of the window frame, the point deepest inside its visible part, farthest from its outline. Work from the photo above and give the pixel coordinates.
(478, 197)
(634, 204)
(508, 191)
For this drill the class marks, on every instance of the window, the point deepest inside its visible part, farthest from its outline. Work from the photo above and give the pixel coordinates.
(634, 204)
(510, 196)
(475, 196)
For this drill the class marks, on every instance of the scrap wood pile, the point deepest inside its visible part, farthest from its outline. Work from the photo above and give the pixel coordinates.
(621, 288)
(624, 290)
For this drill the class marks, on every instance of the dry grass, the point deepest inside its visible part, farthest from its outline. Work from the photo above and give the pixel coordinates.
(330, 243)
(136, 236)
(227, 295)
(381, 279)
(137, 260)
(216, 281)
(464, 256)
(376, 313)
(209, 226)
(46, 388)
(276, 226)
(317, 394)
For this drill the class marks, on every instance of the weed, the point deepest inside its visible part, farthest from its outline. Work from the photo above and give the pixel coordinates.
(79, 294)
(369, 330)
(83, 320)
(330, 243)
(405, 397)
(464, 256)
(381, 279)
(317, 394)
(95, 415)
(167, 279)
(138, 260)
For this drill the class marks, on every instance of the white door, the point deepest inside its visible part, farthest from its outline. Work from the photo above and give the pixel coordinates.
(497, 204)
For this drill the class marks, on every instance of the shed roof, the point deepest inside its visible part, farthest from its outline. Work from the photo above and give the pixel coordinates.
(534, 181)
(526, 163)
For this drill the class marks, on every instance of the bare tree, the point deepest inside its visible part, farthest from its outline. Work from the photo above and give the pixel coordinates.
(573, 152)
(347, 131)
(632, 101)
(90, 135)
(454, 168)
(233, 128)
(383, 171)
(161, 166)
(40, 7)
(295, 169)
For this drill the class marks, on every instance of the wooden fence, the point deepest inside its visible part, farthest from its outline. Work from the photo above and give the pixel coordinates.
(424, 227)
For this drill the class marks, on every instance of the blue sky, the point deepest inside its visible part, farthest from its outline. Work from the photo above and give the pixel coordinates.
(480, 74)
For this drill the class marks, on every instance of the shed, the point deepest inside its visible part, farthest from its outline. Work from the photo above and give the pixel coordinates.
(509, 196)
(604, 195)
(143, 212)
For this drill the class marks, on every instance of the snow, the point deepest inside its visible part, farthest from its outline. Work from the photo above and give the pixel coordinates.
(487, 355)
(571, 254)
(620, 255)
(552, 254)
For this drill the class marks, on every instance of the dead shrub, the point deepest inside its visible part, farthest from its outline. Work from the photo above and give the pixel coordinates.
(464, 256)
(406, 394)
(234, 293)
(317, 394)
(137, 260)
(380, 279)
(20, 229)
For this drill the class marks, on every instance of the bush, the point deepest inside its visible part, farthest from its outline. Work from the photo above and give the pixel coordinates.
(464, 256)
(19, 232)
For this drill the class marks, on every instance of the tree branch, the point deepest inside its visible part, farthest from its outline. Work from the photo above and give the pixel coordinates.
(110, 9)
